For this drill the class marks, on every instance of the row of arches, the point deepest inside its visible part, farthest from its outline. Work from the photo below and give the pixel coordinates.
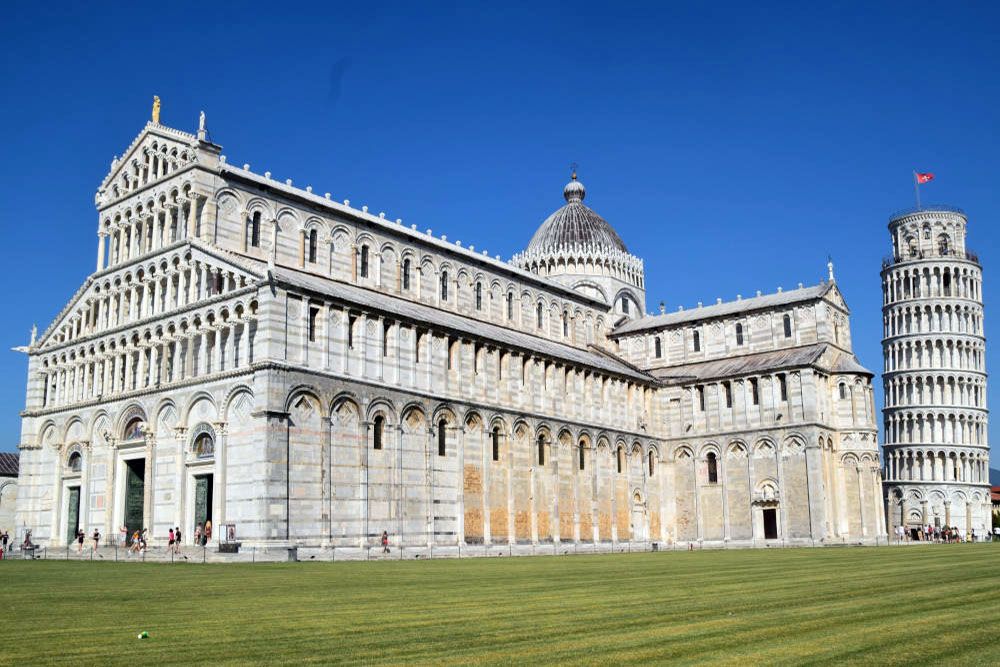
(152, 162)
(920, 465)
(935, 427)
(952, 353)
(208, 340)
(584, 261)
(148, 291)
(141, 228)
(904, 320)
(935, 281)
(916, 390)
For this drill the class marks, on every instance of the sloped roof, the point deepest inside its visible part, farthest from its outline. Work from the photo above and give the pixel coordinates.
(727, 308)
(762, 362)
(418, 312)
(9, 464)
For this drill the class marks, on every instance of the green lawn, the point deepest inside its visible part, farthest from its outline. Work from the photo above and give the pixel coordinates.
(900, 604)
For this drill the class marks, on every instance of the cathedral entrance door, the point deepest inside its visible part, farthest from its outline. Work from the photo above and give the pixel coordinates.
(202, 499)
(72, 514)
(770, 524)
(135, 493)
(640, 525)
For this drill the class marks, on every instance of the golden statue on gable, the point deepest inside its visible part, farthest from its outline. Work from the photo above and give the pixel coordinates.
(156, 109)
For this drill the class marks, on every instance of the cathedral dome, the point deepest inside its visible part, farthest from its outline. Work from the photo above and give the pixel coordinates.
(574, 225)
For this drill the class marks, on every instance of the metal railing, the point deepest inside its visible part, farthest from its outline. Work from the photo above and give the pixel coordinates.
(890, 260)
(929, 208)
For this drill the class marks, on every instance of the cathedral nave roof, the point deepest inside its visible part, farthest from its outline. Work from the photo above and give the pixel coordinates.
(837, 361)
(727, 308)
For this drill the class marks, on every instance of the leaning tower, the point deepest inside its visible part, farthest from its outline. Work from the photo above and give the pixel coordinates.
(936, 452)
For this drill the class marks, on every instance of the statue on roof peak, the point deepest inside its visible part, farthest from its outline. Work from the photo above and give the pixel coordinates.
(156, 109)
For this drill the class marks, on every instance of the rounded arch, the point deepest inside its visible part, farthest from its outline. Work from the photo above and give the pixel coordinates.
(201, 406)
(381, 406)
(299, 390)
(237, 393)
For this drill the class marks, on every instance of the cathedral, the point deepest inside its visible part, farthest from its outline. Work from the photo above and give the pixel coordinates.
(307, 373)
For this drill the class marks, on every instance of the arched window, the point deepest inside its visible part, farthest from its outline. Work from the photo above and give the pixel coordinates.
(620, 459)
(565, 319)
(583, 455)
(657, 347)
(754, 391)
(625, 305)
(944, 245)
(541, 450)
(538, 315)
(495, 441)
(479, 296)
(364, 261)
(786, 321)
(739, 333)
(728, 389)
(444, 285)
(783, 386)
(843, 390)
(377, 429)
(253, 230)
(313, 238)
(75, 462)
(696, 339)
(510, 305)
(133, 430)
(713, 469)
(442, 438)
(652, 459)
(701, 397)
(203, 446)
(406, 273)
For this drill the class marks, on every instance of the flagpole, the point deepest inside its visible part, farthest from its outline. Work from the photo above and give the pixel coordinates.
(916, 189)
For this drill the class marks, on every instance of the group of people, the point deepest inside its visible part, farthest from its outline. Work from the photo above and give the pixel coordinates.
(203, 533)
(81, 537)
(929, 533)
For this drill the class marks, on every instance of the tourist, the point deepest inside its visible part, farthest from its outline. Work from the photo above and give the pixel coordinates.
(385, 542)
(197, 535)
(79, 541)
(177, 539)
(142, 539)
(123, 535)
(3, 540)
(97, 539)
(170, 541)
(134, 547)
(207, 537)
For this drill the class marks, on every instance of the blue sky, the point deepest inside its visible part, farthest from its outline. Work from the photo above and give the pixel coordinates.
(732, 147)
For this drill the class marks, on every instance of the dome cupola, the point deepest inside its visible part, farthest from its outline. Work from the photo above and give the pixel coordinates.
(578, 248)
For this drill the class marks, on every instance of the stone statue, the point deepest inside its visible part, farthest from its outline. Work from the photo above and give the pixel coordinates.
(156, 109)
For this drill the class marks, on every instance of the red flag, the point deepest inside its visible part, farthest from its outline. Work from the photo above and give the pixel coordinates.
(924, 178)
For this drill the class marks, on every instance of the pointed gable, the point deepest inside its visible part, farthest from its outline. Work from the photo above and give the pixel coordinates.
(155, 154)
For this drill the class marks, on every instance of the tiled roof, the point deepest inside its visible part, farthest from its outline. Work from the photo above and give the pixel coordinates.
(763, 362)
(725, 309)
(417, 312)
(8, 464)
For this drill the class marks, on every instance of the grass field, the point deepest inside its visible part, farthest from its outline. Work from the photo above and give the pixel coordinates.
(928, 603)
